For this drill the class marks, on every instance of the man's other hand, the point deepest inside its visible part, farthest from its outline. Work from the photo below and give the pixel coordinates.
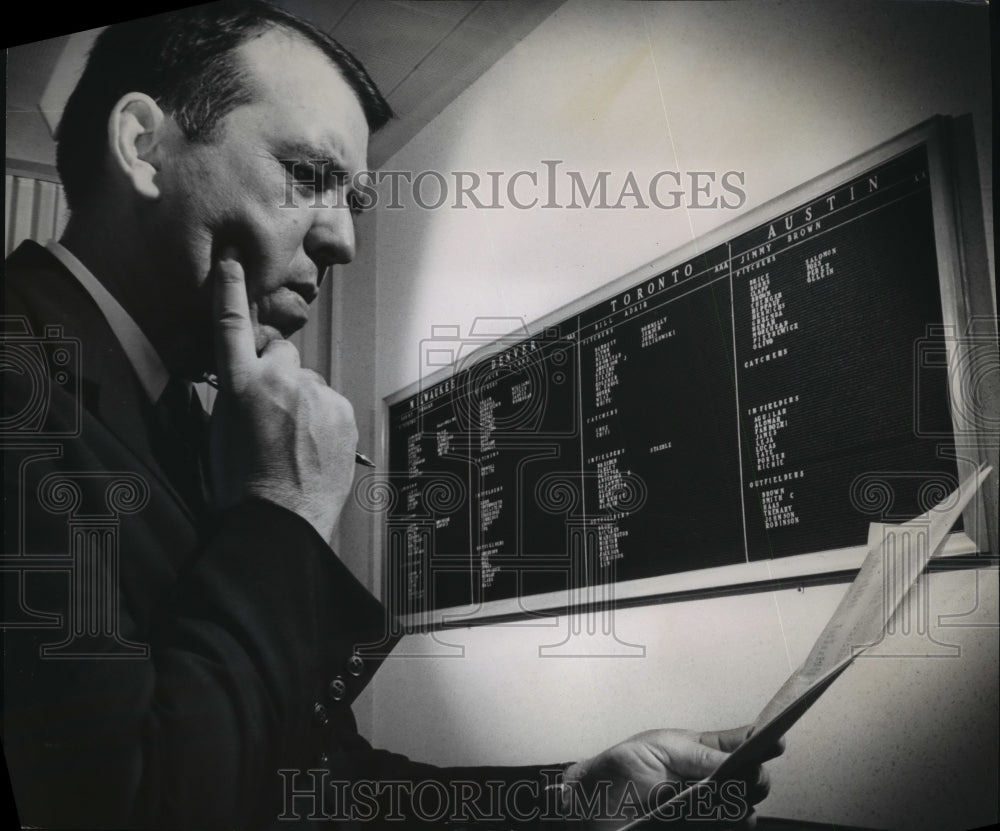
(278, 432)
(649, 768)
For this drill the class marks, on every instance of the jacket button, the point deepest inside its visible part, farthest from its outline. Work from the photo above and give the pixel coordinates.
(320, 715)
(355, 665)
(337, 688)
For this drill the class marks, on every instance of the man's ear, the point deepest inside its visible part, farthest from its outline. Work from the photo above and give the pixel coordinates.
(136, 130)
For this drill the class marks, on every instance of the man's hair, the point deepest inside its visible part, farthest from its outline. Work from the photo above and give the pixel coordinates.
(185, 61)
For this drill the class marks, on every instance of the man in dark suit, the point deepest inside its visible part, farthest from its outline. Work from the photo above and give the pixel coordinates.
(181, 644)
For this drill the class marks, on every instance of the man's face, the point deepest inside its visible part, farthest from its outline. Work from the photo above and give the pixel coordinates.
(239, 191)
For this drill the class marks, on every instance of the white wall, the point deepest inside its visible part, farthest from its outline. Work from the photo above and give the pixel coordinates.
(782, 91)
(905, 739)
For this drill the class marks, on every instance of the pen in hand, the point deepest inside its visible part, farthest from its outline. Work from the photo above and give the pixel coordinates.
(359, 458)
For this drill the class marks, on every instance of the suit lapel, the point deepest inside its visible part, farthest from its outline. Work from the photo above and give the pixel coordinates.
(110, 388)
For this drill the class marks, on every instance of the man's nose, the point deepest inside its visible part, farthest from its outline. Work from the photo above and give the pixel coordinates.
(330, 238)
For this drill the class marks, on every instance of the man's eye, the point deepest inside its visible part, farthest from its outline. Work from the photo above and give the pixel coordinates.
(314, 177)
(301, 175)
(308, 176)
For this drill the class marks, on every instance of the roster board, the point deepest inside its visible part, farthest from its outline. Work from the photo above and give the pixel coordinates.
(717, 413)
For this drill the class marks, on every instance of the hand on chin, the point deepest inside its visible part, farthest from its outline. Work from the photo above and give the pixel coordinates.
(277, 316)
(265, 334)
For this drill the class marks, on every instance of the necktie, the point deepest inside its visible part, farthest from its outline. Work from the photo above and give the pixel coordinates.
(184, 443)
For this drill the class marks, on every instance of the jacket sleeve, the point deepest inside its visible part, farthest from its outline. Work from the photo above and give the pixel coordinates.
(227, 676)
(384, 790)
(191, 733)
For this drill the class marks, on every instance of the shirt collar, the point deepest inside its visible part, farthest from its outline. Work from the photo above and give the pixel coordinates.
(144, 358)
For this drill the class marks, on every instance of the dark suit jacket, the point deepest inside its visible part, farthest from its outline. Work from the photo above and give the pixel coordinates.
(158, 674)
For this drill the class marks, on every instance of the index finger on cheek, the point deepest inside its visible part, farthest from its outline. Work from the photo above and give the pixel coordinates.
(234, 337)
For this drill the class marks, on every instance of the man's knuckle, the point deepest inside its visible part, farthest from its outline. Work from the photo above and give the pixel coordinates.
(704, 756)
(231, 320)
(313, 376)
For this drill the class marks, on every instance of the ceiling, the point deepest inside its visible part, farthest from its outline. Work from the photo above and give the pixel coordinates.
(421, 53)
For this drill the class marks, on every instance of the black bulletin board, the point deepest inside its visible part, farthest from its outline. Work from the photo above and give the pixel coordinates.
(750, 407)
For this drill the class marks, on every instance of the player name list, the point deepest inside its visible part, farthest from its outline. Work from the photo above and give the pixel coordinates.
(718, 412)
